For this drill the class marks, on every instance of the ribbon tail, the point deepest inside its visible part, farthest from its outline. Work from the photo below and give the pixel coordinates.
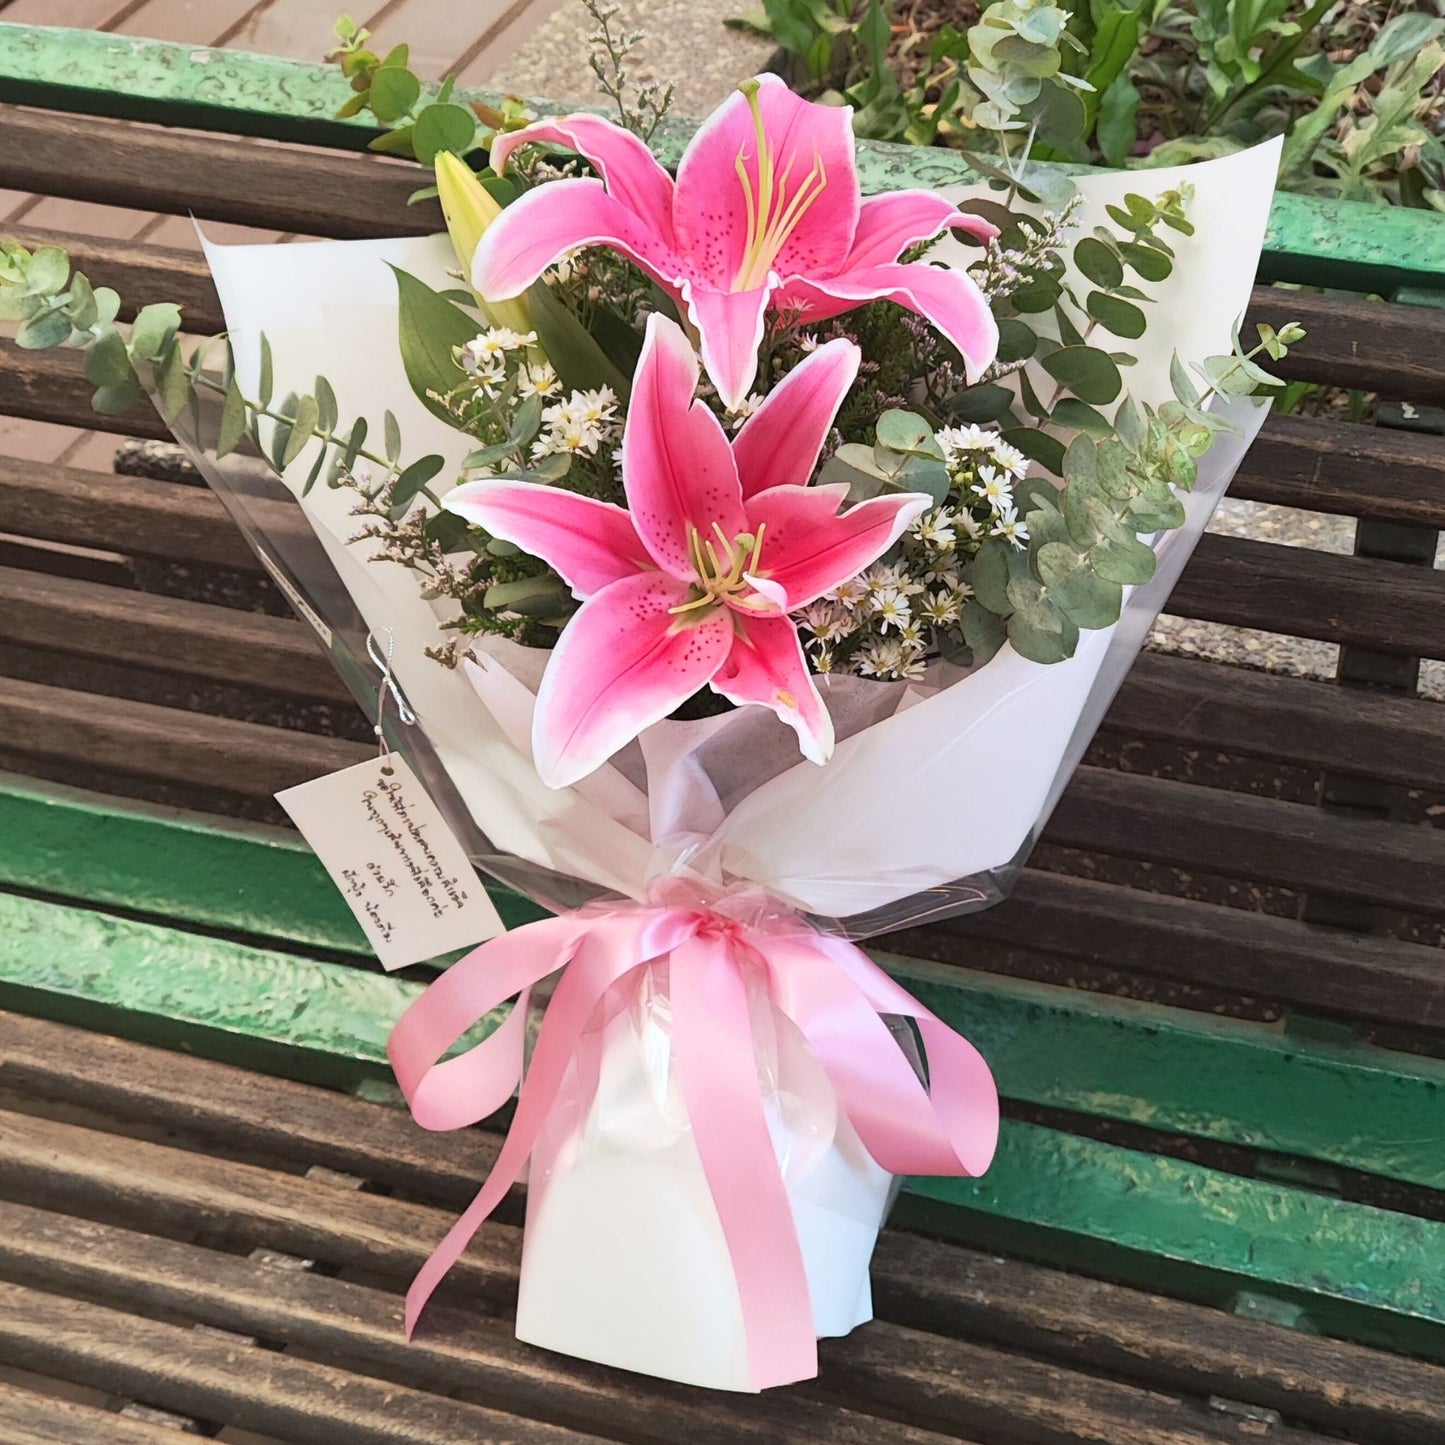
(600, 950)
(835, 994)
(717, 1070)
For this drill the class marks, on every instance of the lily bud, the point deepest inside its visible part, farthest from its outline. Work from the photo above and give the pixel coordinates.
(469, 209)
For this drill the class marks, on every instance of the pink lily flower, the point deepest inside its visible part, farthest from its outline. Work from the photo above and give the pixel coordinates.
(692, 583)
(765, 211)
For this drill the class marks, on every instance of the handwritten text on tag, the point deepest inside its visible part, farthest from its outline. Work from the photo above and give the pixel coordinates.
(399, 867)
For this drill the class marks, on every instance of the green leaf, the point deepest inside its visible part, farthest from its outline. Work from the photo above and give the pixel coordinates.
(412, 480)
(1122, 318)
(394, 142)
(984, 631)
(529, 596)
(107, 363)
(172, 383)
(1129, 424)
(1089, 600)
(48, 271)
(1038, 446)
(116, 400)
(153, 329)
(394, 91)
(909, 433)
(1037, 629)
(391, 433)
(1152, 265)
(233, 421)
(326, 408)
(982, 403)
(447, 530)
(1117, 125)
(1087, 372)
(314, 474)
(82, 311)
(1098, 263)
(303, 428)
(988, 574)
(574, 352)
(268, 374)
(355, 442)
(443, 127)
(1077, 416)
(430, 328)
(1016, 341)
(50, 328)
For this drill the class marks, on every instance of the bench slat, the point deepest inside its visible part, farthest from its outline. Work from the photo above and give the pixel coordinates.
(1386, 606)
(458, 1351)
(316, 193)
(132, 515)
(209, 1378)
(193, 639)
(168, 744)
(1323, 1383)
(1298, 721)
(1238, 835)
(161, 1189)
(1052, 916)
(35, 1419)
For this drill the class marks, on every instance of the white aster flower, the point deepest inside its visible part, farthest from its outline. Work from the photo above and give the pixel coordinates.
(993, 488)
(537, 379)
(935, 529)
(1010, 458)
(744, 409)
(891, 609)
(1010, 527)
(972, 438)
(850, 593)
(940, 608)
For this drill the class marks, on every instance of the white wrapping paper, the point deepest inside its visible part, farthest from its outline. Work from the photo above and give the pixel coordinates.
(935, 789)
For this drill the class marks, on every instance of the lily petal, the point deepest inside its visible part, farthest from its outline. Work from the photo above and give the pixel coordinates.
(677, 467)
(808, 549)
(948, 298)
(551, 220)
(779, 443)
(621, 664)
(807, 144)
(630, 170)
(729, 325)
(767, 666)
(889, 224)
(586, 542)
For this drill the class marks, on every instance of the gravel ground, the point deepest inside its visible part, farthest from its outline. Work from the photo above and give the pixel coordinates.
(1298, 656)
(553, 62)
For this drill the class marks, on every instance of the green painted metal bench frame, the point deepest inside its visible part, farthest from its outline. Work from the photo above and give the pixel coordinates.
(229, 940)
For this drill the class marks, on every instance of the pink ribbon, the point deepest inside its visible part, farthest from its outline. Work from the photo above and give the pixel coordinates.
(829, 988)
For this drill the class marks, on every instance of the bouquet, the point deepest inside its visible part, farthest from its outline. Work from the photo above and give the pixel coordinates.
(747, 563)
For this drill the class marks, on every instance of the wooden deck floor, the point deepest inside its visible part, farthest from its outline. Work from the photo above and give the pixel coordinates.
(469, 39)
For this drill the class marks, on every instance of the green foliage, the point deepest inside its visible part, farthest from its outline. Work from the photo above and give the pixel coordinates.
(417, 121)
(1166, 80)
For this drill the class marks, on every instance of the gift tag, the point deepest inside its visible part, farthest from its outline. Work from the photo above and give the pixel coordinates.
(388, 848)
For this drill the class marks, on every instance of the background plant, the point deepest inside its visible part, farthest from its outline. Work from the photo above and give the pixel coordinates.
(1357, 83)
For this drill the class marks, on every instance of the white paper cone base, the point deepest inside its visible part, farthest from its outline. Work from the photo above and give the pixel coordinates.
(623, 1258)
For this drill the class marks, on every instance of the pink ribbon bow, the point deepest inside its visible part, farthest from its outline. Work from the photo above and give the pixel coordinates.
(828, 987)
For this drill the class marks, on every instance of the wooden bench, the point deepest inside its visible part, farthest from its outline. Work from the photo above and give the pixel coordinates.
(1216, 1006)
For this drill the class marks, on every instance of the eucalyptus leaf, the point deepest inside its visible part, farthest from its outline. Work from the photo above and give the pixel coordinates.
(303, 428)
(394, 91)
(1038, 446)
(1099, 263)
(1121, 318)
(233, 421)
(906, 431)
(984, 402)
(116, 400)
(1016, 340)
(50, 328)
(1089, 600)
(1079, 416)
(988, 575)
(1088, 372)
(409, 484)
(107, 363)
(443, 127)
(268, 373)
(48, 271)
(391, 434)
(1152, 265)
(354, 443)
(984, 631)
(153, 329)
(325, 405)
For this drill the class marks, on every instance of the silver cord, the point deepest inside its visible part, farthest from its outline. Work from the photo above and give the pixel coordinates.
(387, 685)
